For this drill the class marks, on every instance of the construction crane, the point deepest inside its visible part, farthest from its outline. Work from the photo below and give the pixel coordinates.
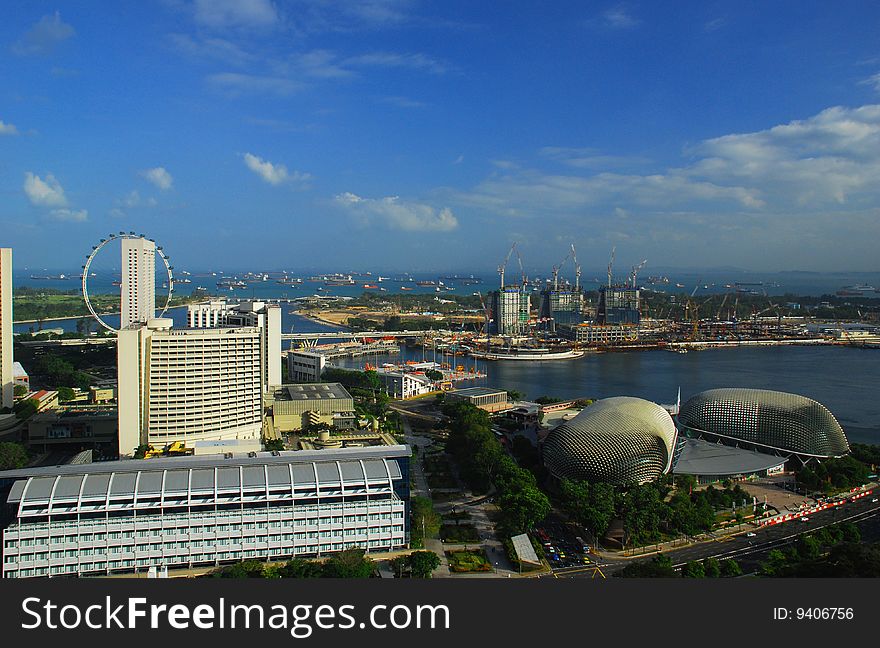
(721, 307)
(556, 270)
(577, 269)
(635, 272)
(522, 272)
(610, 265)
(503, 265)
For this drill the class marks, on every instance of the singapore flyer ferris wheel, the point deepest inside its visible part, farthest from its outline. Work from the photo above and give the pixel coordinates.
(96, 249)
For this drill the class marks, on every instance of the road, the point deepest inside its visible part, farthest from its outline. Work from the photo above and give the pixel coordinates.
(751, 551)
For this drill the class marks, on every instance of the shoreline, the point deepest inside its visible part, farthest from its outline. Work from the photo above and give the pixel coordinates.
(319, 320)
(74, 317)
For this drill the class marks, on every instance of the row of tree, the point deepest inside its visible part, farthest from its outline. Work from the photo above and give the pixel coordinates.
(660, 566)
(834, 474)
(647, 510)
(484, 463)
(834, 551)
(351, 563)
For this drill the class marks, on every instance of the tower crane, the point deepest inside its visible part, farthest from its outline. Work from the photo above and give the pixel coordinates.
(577, 269)
(556, 270)
(610, 265)
(503, 265)
(522, 272)
(635, 272)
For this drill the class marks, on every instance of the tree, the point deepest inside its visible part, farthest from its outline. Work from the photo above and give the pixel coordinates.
(775, 563)
(730, 568)
(422, 563)
(711, 568)
(659, 566)
(693, 569)
(591, 506)
(245, 569)
(66, 394)
(433, 374)
(513, 395)
(350, 563)
(25, 409)
(850, 532)
(12, 456)
(20, 390)
(522, 508)
(299, 568)
(424, 519)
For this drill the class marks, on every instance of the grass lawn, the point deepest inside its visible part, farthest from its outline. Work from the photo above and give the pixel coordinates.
(468, 561)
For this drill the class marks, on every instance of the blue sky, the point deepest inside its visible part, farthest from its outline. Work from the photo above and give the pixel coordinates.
(398, 134)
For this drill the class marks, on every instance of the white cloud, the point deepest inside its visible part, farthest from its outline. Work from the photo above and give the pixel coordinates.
(45, 193)
(274, 174)
(159, 177)
(237, 14)
(398, 214)
(43, 37)
(588, 158)
(413, 61)
(213, 48)
(873, 80)
(402, 102)
(7, 129)
(802, 167)
(69, 215)
(236, 84)
(619, 17)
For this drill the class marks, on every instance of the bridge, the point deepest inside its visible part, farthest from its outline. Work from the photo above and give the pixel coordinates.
(312, 339)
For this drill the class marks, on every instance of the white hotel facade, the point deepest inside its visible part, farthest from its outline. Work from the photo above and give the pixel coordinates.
(188, 384)
(190, 512)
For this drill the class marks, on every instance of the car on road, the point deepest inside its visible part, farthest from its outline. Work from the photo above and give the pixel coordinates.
(805, 519)
(875, 500)
(750, 534)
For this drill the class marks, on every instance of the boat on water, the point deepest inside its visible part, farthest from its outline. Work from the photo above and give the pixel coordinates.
(857, 290)
(371, 286)
(426, 283)
(528, 354)
(405, 288)
(59, 277)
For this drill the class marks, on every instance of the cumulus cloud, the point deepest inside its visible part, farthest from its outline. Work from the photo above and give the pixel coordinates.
(159, 177)
(69, 215)
(7, 129)
(44, 193)
(398, 214)
(236, 14)
(43, 37)
(804, 166)
(274, 174)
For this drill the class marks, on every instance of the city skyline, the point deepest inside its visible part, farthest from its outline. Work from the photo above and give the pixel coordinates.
(401, 134)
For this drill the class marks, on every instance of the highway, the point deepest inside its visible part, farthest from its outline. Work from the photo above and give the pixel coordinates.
(749, 552)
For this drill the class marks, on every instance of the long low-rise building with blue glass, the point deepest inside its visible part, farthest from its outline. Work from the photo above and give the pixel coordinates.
(190, 512)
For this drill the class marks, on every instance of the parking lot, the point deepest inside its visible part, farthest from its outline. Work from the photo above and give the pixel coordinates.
(562, 547)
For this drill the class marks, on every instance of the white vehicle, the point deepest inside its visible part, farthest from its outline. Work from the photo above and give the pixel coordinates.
(750, 535)
(805, 519)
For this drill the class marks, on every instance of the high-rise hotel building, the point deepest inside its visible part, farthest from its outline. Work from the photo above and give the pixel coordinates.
(267, 317)
(138, 281)
(6, 378)
(188, 384)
